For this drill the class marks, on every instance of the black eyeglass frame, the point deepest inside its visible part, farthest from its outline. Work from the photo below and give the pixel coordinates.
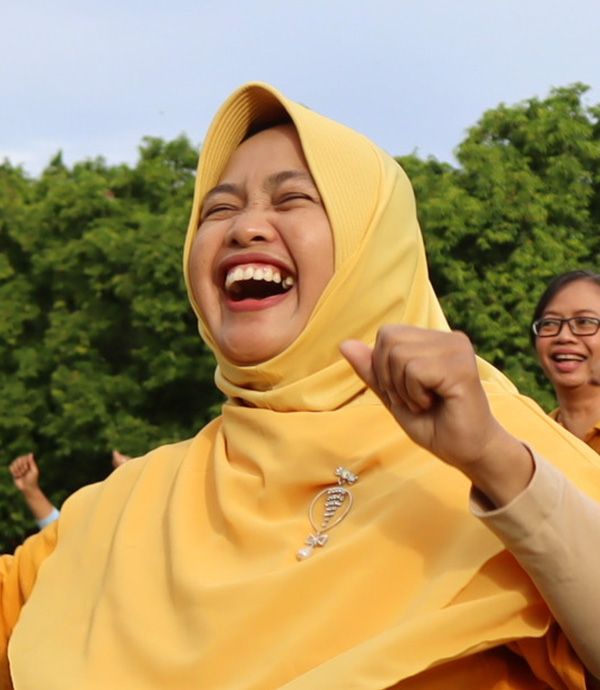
(561, 323)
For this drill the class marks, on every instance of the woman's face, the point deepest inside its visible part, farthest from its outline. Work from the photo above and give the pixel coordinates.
(571, 360)
(263, 253)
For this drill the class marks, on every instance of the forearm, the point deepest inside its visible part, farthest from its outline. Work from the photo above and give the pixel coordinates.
(38, 503)
(553, 530)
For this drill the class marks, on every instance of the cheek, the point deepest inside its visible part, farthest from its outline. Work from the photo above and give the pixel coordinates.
(321, 252)
(200, 267)
(541, 349)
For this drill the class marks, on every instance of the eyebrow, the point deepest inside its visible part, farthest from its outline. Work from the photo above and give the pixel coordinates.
(275, 180)
(578, 312)
(224, 188)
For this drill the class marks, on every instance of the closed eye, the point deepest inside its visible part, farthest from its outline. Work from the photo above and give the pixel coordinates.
(293, 198)
(217, 211)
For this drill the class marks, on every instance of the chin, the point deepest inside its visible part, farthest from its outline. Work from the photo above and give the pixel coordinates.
(249, 354)
(245, 360)
(568, 384)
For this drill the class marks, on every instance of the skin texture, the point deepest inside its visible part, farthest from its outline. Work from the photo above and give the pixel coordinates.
(576, 382)
(266, 211)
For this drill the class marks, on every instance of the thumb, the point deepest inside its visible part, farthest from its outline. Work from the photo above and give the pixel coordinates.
(360, 357)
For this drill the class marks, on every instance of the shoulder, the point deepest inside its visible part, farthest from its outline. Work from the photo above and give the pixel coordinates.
(18, 574)
(139, 485)
(32, 552)
(158, 463)
(526, 420)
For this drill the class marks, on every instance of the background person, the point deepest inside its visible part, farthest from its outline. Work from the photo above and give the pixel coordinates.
(566, 336)
(245, 538)
(26, 474)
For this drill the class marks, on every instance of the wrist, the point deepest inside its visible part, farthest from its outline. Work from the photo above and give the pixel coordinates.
(504, 470)
(32, 492)
(53, 515)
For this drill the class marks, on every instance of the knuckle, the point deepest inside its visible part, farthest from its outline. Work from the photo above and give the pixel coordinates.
(412, 369)
(461, 341)
(387, 333)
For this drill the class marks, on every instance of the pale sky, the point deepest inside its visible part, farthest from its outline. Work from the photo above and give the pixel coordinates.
(92, 77)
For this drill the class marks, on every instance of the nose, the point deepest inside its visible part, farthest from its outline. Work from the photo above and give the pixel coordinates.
(565, 332)
(247, 235)
(250, 228)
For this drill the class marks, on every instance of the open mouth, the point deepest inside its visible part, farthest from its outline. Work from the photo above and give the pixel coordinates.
(257, 281)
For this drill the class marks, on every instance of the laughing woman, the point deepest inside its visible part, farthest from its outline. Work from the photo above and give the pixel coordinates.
(566, 336)
(319, 533)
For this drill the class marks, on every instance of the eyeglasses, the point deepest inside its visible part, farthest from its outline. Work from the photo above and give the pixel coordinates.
(579, 325)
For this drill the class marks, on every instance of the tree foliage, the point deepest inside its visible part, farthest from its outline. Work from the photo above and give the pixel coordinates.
(522, 206)
(98, 346)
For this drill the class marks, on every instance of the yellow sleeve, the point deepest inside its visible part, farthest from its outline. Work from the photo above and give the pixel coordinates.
(18, 574)
(552, 659)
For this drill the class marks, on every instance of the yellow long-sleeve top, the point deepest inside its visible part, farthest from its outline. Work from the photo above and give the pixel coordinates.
(179, 571)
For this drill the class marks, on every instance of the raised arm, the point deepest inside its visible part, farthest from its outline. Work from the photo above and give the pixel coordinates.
(25, 474)
(430, 383)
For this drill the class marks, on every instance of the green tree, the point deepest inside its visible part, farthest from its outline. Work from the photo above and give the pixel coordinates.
(99, 346)
(522, 206)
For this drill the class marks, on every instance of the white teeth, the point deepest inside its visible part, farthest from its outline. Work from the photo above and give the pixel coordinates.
(568, 358)
(266, 273)
(236, 274)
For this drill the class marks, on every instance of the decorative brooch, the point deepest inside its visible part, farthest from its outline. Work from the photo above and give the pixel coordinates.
(334, 502)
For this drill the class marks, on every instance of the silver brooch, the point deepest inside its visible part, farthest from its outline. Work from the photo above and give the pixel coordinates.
(334, 502)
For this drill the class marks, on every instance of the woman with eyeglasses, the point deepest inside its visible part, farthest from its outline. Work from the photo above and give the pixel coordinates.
(566, 336)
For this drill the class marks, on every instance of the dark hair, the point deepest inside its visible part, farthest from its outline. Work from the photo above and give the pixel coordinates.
(260, 124)
(554, 287)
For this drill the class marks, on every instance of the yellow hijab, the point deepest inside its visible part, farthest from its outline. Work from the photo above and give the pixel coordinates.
(179, 571)
(380, 265)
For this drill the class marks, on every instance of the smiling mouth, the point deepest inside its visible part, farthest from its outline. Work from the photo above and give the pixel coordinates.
(256, 281)
(567, 358)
